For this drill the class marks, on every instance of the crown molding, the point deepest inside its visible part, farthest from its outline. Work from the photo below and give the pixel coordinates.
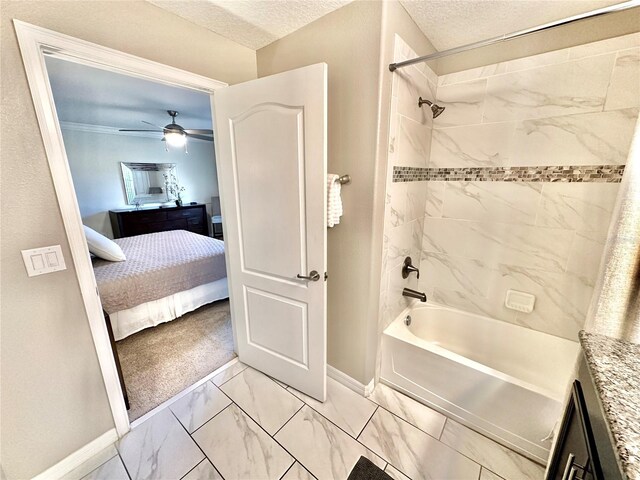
(89, 128)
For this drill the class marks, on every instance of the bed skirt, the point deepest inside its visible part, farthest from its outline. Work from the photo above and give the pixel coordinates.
(132, 320)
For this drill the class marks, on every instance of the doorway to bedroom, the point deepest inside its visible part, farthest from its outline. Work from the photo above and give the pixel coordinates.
(149, 202)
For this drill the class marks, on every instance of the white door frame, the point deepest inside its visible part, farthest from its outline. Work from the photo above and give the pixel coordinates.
(34, 43)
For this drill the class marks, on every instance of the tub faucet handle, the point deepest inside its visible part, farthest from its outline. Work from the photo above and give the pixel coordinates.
(408, 268)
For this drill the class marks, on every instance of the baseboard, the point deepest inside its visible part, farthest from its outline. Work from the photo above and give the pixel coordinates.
(349, 382)
(80, 456)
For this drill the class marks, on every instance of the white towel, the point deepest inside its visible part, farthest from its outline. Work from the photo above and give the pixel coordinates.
(334, 201)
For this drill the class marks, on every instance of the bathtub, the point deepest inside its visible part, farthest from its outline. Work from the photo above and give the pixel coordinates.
(502, 380)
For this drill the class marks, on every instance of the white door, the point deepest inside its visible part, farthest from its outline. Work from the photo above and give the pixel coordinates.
(272, 166)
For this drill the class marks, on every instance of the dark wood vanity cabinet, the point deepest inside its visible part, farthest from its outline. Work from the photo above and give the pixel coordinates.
(575, 456)
(127, 223)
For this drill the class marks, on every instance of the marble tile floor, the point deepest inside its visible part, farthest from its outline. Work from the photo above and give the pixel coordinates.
(244, 425)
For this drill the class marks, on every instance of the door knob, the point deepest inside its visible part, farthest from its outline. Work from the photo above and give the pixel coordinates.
(313, 276)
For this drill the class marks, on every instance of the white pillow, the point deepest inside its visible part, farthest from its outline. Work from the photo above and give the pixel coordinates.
(102, 247)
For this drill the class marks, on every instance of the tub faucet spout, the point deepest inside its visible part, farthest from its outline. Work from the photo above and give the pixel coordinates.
(407, 292)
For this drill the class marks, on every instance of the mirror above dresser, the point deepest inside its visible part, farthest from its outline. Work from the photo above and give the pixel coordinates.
(146, 183)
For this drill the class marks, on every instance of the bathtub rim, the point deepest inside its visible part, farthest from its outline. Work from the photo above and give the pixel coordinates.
(399, 330)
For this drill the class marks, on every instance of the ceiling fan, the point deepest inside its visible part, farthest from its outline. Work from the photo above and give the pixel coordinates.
(174, 134)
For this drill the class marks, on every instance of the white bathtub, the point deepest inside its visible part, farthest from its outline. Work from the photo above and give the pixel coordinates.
(502, 380)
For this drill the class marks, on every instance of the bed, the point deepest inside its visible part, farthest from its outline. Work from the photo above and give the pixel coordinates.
(164, 276)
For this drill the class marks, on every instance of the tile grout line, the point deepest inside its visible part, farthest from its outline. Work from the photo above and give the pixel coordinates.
(436, 439)
(285, 423)
(340, 428)
(191, 434)
(197, 444)
(468, 457)
(388, 463)
(344, 431)
(332, 423)
(230, 378)
(367, 423)
(126, 470)
(444, 426)
(295, 459)
(305, 469)
(287, 471)
(104, 463)
(196, 466)
(490, 471)
(415, 426)
(255, 420)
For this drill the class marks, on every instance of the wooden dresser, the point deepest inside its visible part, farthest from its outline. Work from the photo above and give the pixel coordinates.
(130, 222)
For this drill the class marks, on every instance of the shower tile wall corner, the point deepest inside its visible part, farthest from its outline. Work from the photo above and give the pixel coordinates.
(410, 146)
(570, 107)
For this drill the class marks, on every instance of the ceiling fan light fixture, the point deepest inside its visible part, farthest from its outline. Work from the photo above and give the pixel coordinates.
(176, 139)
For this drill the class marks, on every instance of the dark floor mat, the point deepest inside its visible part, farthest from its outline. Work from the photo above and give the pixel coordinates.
(365, 469)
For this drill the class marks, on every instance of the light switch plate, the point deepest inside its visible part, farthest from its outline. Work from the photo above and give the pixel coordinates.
(43, 260)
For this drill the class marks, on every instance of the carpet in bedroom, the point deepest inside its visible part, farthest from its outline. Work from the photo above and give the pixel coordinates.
(159, 362)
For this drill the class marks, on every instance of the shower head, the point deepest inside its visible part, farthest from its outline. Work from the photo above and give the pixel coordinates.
(435, 109)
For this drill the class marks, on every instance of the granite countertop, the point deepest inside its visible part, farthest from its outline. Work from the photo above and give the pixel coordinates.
(615, 369)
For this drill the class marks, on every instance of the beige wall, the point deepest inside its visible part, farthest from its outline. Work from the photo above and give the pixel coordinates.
(356, 42)
(53, 397)
(348, 40)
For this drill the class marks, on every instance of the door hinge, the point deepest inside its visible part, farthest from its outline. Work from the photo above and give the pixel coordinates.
(326, 275)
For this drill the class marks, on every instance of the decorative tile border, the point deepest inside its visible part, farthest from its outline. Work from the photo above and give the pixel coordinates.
(580, 173)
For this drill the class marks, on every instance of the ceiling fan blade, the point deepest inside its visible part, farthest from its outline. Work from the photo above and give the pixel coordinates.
(197, 130)
(153, 125)
(200, 137)
(130, 130)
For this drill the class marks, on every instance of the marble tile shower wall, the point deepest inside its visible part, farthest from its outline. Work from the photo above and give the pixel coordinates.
(409, 145)
(576, 107)
(474, 240)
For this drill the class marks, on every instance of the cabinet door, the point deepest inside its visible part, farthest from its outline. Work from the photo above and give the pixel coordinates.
(575, 456)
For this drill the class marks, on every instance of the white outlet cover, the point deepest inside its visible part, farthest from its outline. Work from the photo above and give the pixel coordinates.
(39, 261)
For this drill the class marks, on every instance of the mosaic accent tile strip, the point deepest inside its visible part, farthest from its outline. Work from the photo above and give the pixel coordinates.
(582, 173)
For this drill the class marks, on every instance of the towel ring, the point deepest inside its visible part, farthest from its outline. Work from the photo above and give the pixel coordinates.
(344, 179)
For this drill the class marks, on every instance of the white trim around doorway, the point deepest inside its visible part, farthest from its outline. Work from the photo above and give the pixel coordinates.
(34, 42)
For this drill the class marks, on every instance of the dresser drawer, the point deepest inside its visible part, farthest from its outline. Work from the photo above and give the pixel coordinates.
(145, 217)
(188, 213)
(168, 225)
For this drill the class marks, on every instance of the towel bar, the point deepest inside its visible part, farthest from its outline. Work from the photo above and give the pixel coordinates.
(344, 179)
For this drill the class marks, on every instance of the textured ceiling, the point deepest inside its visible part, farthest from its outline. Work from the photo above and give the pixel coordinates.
(93, 96)
(452, 23)
(252, 23)
(446, 23)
